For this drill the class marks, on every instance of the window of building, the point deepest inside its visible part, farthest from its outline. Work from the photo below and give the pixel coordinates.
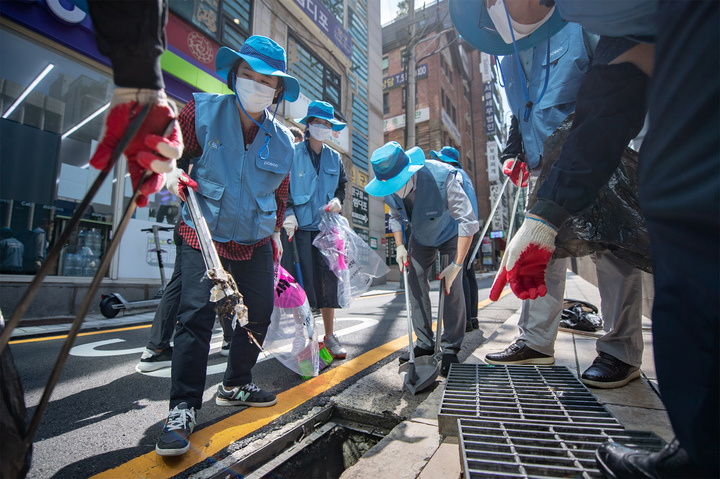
(227, 21)
(336, 8)
(317, 80)
(386, 103)
(385, 66)
(403, 58)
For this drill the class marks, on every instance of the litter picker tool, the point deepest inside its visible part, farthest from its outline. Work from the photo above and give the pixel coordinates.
(514, 211)
(229, 301)
(490, 217)
(296, 260)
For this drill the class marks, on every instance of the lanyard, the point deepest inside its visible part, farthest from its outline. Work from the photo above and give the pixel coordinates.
(267, 133)
(529, 103)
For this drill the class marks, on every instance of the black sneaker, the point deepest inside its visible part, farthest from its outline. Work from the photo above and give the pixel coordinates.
(468, 327)
(608, 372)
(152, 361)
(225, 349)
(447, 360)
(174, 440)
(405, 357)
(519, 353)
(245, 395)
(475, 323)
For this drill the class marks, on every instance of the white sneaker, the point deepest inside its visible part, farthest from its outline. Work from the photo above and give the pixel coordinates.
(152, 361)
(225, 349)
(334, 346)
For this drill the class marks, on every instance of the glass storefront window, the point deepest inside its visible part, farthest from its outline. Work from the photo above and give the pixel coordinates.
(45, 145)
(317, 81)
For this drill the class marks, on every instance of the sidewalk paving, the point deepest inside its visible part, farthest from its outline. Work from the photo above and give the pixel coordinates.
(415, 449)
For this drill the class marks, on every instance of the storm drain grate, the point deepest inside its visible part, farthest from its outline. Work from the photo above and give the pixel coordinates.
(535, 394)
(496, 449)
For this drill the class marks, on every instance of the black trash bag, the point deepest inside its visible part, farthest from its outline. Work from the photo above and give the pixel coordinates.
(613, 223)
(14, 460)
(580, 316)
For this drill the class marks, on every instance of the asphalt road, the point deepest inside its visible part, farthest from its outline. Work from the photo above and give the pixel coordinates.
(103, 414)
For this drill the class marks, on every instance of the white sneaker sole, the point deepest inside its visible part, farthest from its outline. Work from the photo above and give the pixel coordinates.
(230, 402)
(613, 384)
(171, 452)
(148, 367)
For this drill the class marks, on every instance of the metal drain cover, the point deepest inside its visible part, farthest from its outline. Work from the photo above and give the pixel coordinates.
(497, 449)
(535, 394)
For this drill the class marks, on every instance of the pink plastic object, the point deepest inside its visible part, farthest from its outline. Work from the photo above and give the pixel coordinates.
(340, 247)
(293, 295)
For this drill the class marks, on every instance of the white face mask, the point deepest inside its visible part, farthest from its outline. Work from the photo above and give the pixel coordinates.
(320, 132)
(405, 190)
(500, 20)
(254, 96)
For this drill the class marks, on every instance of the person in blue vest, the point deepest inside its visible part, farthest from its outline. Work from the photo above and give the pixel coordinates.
(620, 350)
(429, 195)
(317, 180)
(241, 156)
(679, 195)
(450, 155)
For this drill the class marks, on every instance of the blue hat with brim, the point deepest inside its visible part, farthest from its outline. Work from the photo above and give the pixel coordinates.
(265, 57)
(322, 110)
(473, 23)
(393, 167)
(448, 154)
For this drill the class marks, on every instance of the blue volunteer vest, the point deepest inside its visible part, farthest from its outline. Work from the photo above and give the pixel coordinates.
(568, 63)
(309, 192)
(236, 188)
(431, 222)
(469, 191)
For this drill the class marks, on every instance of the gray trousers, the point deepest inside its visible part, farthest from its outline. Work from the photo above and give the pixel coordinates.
(421, 259)
(620, 287)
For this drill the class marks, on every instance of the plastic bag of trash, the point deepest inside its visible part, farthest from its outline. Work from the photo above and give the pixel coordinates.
(15, 459)
(613, 223)
(351, 259)
(580, 316)
(291, 336)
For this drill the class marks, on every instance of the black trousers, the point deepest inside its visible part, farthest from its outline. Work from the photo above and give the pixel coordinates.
(196, 318)
(679, 186)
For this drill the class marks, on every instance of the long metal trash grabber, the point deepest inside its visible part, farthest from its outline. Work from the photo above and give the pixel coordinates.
(54, 253)
(225, 286)
(490, 217)
(82, 312)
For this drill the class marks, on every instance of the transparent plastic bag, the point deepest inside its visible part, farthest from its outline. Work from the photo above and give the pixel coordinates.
(351, 259)
(291, 337)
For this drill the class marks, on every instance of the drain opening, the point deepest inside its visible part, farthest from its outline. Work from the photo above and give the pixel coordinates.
(324, 445)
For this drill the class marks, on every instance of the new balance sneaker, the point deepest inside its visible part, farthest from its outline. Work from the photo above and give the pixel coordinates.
(152, 361)
(245, 395)
(225, 349)
(608, 372)
(334, 346)
(519, 353)
(175, 437)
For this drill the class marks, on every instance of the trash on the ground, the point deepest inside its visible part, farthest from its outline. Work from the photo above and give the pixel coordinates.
(580, 316)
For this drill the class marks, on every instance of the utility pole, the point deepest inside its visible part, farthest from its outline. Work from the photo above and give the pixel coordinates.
(411, 70)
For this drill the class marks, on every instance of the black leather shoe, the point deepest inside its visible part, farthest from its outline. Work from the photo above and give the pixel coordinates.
(608, 372)
(619, 462)
(519, 353)
(447, 360)
(405, 357)
(475, 323)
(468, 326)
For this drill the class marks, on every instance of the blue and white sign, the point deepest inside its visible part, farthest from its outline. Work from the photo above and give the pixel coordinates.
(327, 22)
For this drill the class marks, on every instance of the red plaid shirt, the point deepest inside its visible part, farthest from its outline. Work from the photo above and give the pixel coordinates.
(230, 250)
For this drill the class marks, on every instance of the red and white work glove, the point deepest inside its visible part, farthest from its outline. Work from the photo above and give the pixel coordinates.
(449, 274)
(178, 181)
(525, 260)
(277, 246)
(333, 206)
(155, 146)
(401, 256)
(290, 224)
(514, 172)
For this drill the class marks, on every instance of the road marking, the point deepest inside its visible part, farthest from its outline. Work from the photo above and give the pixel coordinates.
(105, 331)
(204, 443)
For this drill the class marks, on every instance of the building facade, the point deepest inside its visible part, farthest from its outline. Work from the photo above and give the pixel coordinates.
(46, 140)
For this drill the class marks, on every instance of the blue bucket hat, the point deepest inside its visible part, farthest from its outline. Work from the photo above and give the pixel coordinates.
(393, 167)
(323, 110)
(448, 154)
(473, 23)
(265, 57)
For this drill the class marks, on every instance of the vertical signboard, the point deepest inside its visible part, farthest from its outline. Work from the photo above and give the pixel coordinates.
(489, 105)
(497, 222)
(493, 161)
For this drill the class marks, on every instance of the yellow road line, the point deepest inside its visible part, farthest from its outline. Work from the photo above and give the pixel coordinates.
(105, 331)
(204, 443)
